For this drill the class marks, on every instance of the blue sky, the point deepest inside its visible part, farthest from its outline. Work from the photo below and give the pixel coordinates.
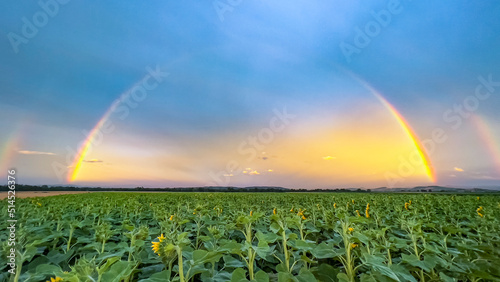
(228, 76)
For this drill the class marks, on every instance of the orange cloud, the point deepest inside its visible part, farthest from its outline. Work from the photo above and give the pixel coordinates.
(93, 161)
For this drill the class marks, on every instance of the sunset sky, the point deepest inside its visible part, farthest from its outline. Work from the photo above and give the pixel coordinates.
(314, 94)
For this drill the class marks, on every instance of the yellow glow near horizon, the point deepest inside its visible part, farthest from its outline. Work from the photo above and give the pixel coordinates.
(358, 148)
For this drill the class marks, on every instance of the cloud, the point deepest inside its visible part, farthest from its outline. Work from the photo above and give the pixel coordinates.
(327, 158)
(93, 161)
(24, 152)
(458, 169)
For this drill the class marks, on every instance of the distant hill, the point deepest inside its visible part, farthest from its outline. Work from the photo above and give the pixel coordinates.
(418, 189)
(21, 187)
(435, 189)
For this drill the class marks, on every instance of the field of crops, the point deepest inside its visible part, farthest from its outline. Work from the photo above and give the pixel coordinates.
(260, 237)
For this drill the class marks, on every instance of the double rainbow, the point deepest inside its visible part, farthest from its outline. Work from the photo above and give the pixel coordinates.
(86, 145)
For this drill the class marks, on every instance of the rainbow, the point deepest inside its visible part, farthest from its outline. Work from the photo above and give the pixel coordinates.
(86, 146)
(84, 149)
(412, 135)
(8, 150)
(488, 138)
(429, 169)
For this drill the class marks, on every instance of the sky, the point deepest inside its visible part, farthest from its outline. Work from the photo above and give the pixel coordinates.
(314, 94)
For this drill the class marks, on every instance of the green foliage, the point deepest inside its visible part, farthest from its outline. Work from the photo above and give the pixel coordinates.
(256, 237)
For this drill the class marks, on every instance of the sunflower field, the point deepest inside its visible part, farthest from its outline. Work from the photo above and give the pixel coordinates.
(153, 237)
